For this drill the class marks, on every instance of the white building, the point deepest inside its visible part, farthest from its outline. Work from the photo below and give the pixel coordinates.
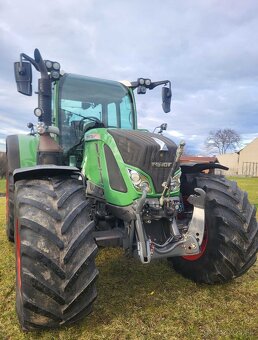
(243, 162)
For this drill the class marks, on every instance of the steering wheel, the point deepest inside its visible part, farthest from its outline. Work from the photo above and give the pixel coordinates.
(94, 123)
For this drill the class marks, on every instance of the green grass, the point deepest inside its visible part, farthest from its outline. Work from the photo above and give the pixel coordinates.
(250, 185)
(2, 186)
(145, 302)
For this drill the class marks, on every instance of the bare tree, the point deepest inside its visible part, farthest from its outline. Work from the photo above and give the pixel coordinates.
(223, 141)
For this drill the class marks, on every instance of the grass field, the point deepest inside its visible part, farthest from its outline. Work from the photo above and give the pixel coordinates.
(2, 186)
(250, 185)
(145, 302)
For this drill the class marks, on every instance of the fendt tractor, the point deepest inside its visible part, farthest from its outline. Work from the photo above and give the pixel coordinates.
(85, 177)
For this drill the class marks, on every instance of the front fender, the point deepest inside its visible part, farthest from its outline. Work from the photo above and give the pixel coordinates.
(190, 168)
(40, 171)
(21, 151)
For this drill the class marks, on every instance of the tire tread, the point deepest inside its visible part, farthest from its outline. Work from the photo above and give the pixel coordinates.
(57, 252)
(232, 250)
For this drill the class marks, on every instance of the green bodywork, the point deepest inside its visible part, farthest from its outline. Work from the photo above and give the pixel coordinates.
(28, 147)
(94, 165)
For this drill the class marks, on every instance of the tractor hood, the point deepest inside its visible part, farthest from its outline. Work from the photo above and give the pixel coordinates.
(150, 152)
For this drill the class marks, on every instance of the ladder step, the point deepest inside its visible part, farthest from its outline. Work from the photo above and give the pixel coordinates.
(111, 238)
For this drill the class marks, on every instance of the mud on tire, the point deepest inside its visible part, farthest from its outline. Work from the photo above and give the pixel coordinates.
(232, 233)
(55, 252)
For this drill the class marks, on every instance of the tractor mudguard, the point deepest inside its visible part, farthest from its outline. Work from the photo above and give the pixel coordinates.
(21, 151)
(40, 171)
(190, 168)
(12, 153)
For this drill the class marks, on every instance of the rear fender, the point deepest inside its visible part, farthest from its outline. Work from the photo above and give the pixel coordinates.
(189, 171)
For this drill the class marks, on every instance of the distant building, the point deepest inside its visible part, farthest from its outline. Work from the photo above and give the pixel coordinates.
(243, 162)
(230, 160)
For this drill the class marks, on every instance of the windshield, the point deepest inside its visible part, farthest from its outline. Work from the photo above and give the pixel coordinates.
(85, 100)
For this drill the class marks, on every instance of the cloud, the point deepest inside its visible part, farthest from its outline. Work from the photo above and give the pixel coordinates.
(207, 49)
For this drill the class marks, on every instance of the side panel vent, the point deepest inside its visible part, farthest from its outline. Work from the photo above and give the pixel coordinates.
(116, 180)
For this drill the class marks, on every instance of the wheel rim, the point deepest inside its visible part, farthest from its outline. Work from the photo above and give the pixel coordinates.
(203, 249)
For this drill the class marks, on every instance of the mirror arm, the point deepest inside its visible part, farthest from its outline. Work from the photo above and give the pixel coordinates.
(38, 63)
(31, 60)
(161, 82)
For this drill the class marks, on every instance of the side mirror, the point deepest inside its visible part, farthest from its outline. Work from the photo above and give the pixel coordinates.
(163, 127)
(23, 77)
(166, 99)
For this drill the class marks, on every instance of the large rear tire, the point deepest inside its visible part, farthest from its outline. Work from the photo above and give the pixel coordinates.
(55, 252)
(231, 234)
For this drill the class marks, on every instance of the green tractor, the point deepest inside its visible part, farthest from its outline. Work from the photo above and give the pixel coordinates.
(86, 177)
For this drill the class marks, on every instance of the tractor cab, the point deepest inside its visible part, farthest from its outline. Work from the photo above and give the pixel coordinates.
(70, 105)
(84, 103)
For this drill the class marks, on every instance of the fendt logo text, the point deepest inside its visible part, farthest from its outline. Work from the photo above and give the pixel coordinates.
(161, 164)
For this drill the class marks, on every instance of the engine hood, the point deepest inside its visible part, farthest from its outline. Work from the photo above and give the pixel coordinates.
(150, 152)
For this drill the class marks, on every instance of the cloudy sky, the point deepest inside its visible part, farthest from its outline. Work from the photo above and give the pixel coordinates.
(208, 49)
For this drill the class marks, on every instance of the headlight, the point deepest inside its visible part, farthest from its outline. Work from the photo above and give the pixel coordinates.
(48, 64)
(55, 74)
(141, 90)
(135, 177)
(38, 112)
(147, 82)
(141, 81)
(56, 66)
(139, 180)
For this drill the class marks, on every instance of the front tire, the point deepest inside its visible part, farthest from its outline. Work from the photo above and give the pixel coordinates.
(231, 233)
(55, 252)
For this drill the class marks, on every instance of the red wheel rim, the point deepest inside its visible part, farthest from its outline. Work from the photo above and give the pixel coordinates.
(203, 248)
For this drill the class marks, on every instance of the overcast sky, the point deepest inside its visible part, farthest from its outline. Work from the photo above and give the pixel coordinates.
(208, 49)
